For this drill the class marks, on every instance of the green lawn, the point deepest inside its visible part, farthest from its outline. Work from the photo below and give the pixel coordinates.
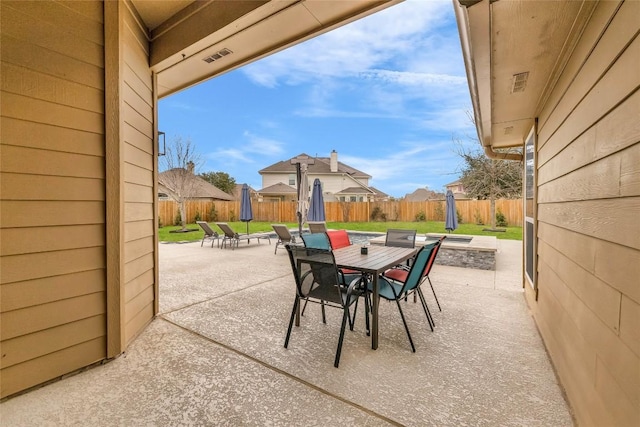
(511, 233)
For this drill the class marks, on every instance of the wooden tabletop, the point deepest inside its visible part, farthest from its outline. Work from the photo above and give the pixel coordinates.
(378, 259)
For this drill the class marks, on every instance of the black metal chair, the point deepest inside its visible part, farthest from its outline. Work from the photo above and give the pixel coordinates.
(394, 290)
(401, 238)
(319, 280)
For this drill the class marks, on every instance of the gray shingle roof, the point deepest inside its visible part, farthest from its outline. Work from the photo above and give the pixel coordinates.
(278, 188)
(322, 165)
(201, 189)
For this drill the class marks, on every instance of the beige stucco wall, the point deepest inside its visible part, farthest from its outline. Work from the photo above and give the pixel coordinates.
(588, 191)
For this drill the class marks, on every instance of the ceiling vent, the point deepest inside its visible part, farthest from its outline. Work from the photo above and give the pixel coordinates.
(224, 52)
(519, 82)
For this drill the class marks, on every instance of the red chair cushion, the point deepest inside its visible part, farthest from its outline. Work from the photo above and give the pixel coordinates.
(338, 238)
(397, 274)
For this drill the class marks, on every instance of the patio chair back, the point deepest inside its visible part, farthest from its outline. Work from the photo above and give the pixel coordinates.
(315, 273)
(317, 226)
(227, 230)
(284, 236)
(338, 239)
(422, 260)
(316, 241)
(208, 233)
(401, 238)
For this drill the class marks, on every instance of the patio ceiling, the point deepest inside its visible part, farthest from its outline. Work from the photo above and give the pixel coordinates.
(514, 52)
(192, 41)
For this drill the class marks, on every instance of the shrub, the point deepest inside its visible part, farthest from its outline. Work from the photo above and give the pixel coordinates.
(501, 220)
(421, 216)
(178, 219)
(478, 218)
(377, 214)
(197, 216)
(232, 215)
(213, 213)
(439, 212)
(459, 215)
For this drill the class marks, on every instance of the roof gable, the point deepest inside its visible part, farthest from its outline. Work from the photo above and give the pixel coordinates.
(201, 188)
(321, 166)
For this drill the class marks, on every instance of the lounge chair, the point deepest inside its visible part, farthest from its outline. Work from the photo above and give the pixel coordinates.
(284, 236)
(234, 238)
(317, 226)
(209, 234)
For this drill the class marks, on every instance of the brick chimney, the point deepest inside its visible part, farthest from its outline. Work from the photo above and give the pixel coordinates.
(334, 161)
(190, 167)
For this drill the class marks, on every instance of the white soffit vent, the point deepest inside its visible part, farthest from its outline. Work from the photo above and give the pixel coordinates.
(519, 82)
(224, 52)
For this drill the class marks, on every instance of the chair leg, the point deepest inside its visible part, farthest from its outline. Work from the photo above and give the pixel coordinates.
(406, 327)
(293, 315)
(345, 315)
(306, 300)
(425, 307)
(324, 317)
(366, 312)
(434, 293)
(352, 320)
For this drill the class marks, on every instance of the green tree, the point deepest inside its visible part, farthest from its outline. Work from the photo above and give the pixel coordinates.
(222, 180)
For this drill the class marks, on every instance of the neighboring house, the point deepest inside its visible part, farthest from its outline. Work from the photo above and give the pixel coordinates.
(560, 79)
(237, 192)
(198, 188)
(422, 195)
(340, 182)
(81, 82)
(457, 189)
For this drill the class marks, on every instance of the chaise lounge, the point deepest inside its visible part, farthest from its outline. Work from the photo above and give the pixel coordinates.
(234, 237)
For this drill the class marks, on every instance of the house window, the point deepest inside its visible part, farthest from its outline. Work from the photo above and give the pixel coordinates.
(352, 198)
(529, 209)
(292, 179)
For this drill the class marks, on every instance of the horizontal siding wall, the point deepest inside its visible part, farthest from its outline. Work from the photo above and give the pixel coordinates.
(52, 233)
(588, 309)
(139, 163)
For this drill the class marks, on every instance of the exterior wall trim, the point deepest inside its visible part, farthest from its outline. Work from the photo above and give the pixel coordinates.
(113, 30)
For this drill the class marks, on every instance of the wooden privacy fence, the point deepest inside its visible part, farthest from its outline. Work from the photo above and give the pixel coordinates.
(471, 211)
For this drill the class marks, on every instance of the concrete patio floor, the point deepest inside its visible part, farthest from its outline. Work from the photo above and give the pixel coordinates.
(215, 356)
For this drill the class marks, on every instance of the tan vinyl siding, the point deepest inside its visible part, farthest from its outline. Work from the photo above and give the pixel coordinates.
(588, 308)
(52, 250)
(139, 163)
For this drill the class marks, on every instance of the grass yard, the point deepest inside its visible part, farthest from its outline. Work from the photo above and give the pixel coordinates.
(511, 233)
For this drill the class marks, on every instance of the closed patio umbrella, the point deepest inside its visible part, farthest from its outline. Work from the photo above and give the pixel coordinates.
(316, 208)
(246, 212)
(303, 196)
(451, 216)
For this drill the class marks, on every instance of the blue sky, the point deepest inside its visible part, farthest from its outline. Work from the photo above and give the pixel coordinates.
(387, 92)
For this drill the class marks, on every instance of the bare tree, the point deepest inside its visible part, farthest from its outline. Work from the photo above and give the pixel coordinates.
(484, 178)
(180, 162)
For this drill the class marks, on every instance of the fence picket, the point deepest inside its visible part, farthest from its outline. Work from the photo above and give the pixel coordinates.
(276, 212)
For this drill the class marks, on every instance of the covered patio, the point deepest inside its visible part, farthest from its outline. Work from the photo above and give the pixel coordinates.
(214, 355)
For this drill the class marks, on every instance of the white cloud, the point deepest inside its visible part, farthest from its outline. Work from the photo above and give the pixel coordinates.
(367, 44)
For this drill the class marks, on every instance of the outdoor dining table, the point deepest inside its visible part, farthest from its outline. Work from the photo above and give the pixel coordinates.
(375, 262)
